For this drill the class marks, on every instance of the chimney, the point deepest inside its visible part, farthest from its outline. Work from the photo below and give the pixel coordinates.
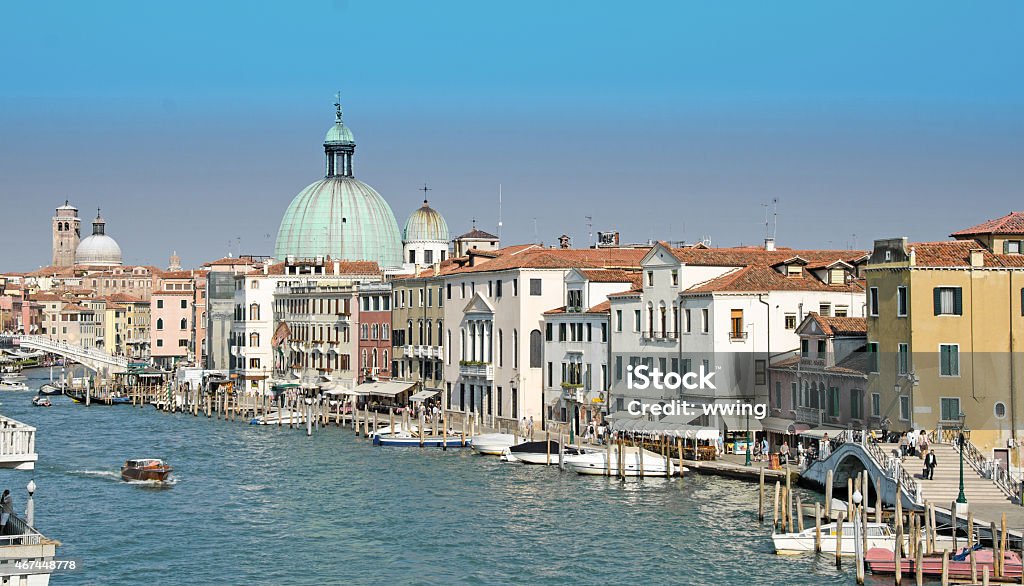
(913, 256)
(563, 241)
(769, 244)
(437, 269)
(266, 269)
(977, 257)
(337, 267)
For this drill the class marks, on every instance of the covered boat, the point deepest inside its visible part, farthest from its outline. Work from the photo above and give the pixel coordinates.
(493, 444)
(12, 385)
(634, 462)
(145, 469)
(880, 535)
(541, 452)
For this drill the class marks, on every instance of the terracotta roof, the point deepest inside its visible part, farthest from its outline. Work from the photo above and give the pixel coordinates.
(479, 234)
(765, 278)
(603, 307)
(124, 298)
(856, 364)
(73, 307)
(189, 274)
(245, 259)
(635, 291)
(750, 255)
(535, 257)
(840, 326)
(612, 276)
(46, 297)
(957, 253)
(1011, 223)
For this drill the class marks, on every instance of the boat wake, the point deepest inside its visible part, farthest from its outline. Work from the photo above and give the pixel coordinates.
(116, 477)
(107, 474)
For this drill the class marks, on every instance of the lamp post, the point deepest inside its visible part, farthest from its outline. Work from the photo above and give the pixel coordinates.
(961, 498)
(30, 508)
(857, 550)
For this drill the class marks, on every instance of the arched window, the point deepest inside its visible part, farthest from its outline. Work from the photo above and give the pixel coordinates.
(374, 354)
(254, 311)
(663, 315)
(515, 348)
(536, 349)
(374, 332)
(462, 343)
(501, 348)
(650, 319)
(363, 358)
(419, 330)
(384, 331)
(184, 324)
(67, 227)
(408, 335)
(385, 361)
(254, 339)
(448, 346)
(160, 323)
(439, 337)
(60, 227)
(430, 334)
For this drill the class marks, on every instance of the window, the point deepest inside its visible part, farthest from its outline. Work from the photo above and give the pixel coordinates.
(689, 324)
(949, 409)
(497, 288)
(604, 332)
(825, 309)
(548, 328)
(254, 363)
(536, 348)
(903, 358)
(822, 347)
(856, 404)
(949, 360)
(999, 410)
(515, 351)
(873, 357)
(254, 311)
(515, 289)
(778, 395)
(159, 303)
(490, 288)
(790, 321)
(160, 323)
(904, 408)
(254, 339)
(618, 368)
(760, 372)
(675, 278)
(736, 320)
(184, 324)
(182, 343)
(833, 401)
(428, 257)
(901, 301)
(448, 290)
(159, 343)
(184, 304)
(412, 257)
(794, 392)
(876, 405)
(842, 311)
(650, 278)
(873, 301)
(551, 374)
(1011, 247)
(704, 321)
(575, 300)
(948, 301)
(561, 332)
(636, 320)
(618, 317)
(535, 287)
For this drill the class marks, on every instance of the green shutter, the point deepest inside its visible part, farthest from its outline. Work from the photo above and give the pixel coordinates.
(937, 300)
(958, 301)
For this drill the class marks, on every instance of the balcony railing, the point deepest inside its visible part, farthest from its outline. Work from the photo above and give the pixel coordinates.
(810, 415)
(735, 336)
(659, 335)
(17, 444)
(485, 371)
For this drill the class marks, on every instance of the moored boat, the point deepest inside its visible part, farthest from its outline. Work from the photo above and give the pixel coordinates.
(146, 469)
(279, 418)
(882, 561)
(51, 389)
(40, 401)
(493, 444)
(880, 536)
(542, 453)
(412, 441)
(634, 462)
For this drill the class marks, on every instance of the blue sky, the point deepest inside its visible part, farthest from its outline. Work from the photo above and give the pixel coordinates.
(194, 124)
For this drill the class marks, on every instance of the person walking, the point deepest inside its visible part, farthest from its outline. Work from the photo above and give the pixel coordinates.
(6, 508)
(784, 454)
(826, 446)
(922, 443)
(529, 427)
(930, 462)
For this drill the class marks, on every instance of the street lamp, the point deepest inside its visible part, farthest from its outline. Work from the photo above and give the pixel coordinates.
(961, 498)
(857, 545)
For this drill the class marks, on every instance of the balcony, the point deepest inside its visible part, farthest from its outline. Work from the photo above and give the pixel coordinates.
(737, 336)
(477, 370)
(17, 445)
(423, 351)
(659, 336)
(810, 415)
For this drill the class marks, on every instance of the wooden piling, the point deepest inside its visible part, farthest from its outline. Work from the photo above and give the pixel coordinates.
(952, 522)
(945, 567)
(1002, 546)
(974, 565)
(849, 498)
(789, 500)
(839, 540)
(828, 494)
(799, 514)
(932, 516)
(918, 569)
(817, 527)
(995, 548)
(879, 502)
(679, 442)
(897, 551)
(760, 489)
(970, 528)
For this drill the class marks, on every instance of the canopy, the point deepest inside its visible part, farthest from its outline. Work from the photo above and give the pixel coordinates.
(384, 388)
(784, 426)
(423, 395)
(741, 422)
(819, 432)
(669, 425)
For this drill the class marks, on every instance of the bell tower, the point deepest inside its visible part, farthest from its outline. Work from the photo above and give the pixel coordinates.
(67, 233)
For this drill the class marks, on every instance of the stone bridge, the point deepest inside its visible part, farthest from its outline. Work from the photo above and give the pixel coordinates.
(91, 358)
(851, 458)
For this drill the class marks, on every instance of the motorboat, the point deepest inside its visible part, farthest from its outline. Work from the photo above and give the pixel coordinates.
(279, 418)
(880, 536)
(12, 376)
(428, 441)
(41, 401)
(545, 453)
(145, 470)
(635, 461)
(51, 389)
(493, 444)
(12, 385)
(399, 430)
(882, 561)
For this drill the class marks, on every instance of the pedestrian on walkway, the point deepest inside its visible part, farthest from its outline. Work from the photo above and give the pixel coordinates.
(530, 427)
(930, 462)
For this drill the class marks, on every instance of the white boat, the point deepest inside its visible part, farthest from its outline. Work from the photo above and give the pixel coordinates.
(493, 444)
(635, 462)
(398, 430)
(10, 385)
(279, 417)
(12, 376)
(542, 453)
(880, 535)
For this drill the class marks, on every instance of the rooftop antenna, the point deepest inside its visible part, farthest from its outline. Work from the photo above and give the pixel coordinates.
(590, 230)
(775, 216)
(499, 212)
(767, 230)
(536, 239)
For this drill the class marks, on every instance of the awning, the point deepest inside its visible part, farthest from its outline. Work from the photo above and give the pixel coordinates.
(384, 388)
(423, 395)
(784, 426)
(741, 423)
(819, 432)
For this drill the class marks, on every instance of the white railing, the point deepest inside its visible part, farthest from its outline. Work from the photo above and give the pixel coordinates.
(87, 356)
(479, 370)
(17, 443)
(17, 531)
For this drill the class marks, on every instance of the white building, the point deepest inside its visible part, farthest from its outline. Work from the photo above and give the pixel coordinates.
(576, 342)
(252, 327)
(494, 324)
(728, 311)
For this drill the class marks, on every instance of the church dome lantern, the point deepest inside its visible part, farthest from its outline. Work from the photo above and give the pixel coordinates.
(98, 249)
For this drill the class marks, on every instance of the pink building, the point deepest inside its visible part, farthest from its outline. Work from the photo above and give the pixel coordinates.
(374, 319)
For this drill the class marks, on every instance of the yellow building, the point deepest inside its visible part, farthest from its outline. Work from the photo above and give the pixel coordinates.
(945, 323)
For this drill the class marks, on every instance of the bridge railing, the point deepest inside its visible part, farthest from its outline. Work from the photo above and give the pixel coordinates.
(989, 468)
(890, 467)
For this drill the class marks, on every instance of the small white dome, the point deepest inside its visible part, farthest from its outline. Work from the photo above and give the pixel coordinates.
(98, 249)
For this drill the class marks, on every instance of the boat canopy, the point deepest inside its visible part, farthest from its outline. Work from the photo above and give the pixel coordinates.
(423, 395)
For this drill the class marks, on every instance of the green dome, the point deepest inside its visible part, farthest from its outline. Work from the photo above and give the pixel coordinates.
(339, 133)
(425, 224)
(343, 218)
